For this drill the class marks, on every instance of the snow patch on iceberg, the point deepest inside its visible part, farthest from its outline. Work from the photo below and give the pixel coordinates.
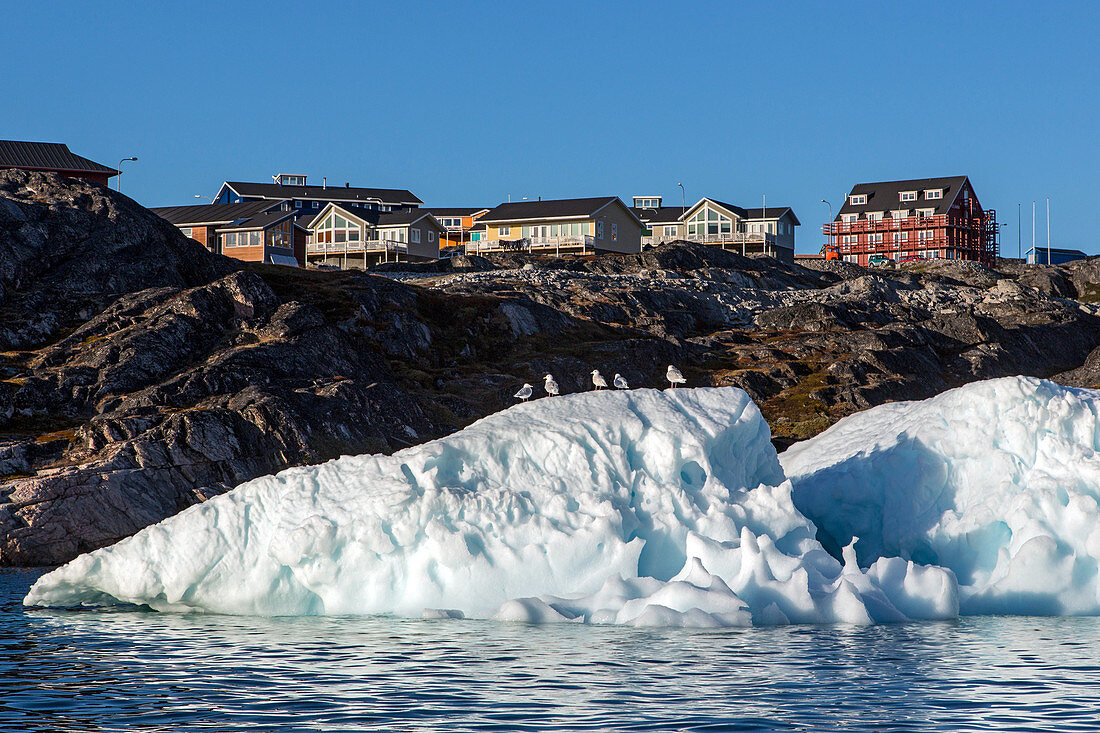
(998, 481)
(635, 507)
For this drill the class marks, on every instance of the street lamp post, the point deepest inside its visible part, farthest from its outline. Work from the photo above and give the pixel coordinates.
(830, 221)
(118, 184)
(683, 199)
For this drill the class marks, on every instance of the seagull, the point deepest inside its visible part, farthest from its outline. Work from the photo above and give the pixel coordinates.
(674, 377)
(598, 380)
(550, 386)
(619, 382)
(524, 392)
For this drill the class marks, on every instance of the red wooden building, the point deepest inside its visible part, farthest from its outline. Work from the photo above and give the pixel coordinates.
(52, 157)
(926, 218)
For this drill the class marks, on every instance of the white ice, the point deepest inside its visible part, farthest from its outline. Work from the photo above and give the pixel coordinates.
(636, 507)
(998, 481)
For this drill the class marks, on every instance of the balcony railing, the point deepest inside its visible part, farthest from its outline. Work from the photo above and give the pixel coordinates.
(370, 245)
(901, 224)
(585, 243)
(729, 238)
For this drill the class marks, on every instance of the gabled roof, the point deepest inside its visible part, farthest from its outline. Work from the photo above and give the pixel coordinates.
(552, 209)
(663, 215)
(391, 196)
(403, 217)
(212, 214)
(48, 156)
(773, 212)
(886, 195)
(407, 216)
(732, 208)
(262, 220)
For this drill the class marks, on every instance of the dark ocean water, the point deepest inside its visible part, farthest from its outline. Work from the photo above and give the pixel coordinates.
(132, 670)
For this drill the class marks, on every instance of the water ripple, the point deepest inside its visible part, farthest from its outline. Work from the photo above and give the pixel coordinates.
(133, 670)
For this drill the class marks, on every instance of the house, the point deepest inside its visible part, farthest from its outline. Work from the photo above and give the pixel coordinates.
(661, 223)
(457, 223)
(53, 158)
(749, 231)
(924, 217)
(562, 226)
(350, 237)
(291, 192)
(200, 221)
(254, 231)
(1040, 255)
(265, 237)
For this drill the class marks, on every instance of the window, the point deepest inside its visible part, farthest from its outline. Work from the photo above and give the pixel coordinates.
(186, 231)
(297, 204)
(900, 213)
(599, 229)
(874, 216)
(858, 199)
(614, 231)
(933, 193)
(901, 237)
(924, 235)
(670, 231)
(708, 221)
(414, 236)
(908, 195)
(431, 235)
(875, 238)
(849, 218)
(925, 212)
(848, 239)
(316, 204)
(505, 231)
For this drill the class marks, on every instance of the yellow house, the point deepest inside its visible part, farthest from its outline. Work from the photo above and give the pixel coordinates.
(561, 226)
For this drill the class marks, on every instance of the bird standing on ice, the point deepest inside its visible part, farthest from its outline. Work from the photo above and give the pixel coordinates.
(619, 382)
(674, 377)
(550, 386)
(598, 380)
(524, 392)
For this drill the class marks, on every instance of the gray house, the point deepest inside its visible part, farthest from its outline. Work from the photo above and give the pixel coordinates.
(758, 231)
(347, 237)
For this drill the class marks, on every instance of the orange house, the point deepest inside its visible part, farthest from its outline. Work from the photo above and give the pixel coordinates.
(457, 223)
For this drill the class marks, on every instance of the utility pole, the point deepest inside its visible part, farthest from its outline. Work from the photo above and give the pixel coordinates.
(1019, 234)
(1048, 230)
(1033, 252)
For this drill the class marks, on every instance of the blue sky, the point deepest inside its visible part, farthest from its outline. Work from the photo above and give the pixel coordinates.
(470, 103)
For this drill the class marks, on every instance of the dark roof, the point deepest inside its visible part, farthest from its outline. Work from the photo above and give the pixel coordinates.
(773, 212)
(262, 220)
(323, 193)
(886, 195)
(456, 211)
(374, 218)
(407, 216)
(554, 209)
(49, 156)
(740, 211)
(199, 214)
(661, 215)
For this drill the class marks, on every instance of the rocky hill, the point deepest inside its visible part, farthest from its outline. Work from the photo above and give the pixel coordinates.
(140, 374)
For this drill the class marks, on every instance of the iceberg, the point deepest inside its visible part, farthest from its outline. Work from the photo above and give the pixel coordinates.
(641, 507)
(998, 481)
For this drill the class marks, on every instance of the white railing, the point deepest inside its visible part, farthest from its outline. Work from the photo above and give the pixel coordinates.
(730, 238)
(370, 245)
(585, 243)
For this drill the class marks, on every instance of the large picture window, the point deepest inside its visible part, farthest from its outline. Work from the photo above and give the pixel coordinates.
(709, 222)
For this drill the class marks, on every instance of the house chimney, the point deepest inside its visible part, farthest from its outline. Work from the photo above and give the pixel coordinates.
(347, 184)
(324, 181)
